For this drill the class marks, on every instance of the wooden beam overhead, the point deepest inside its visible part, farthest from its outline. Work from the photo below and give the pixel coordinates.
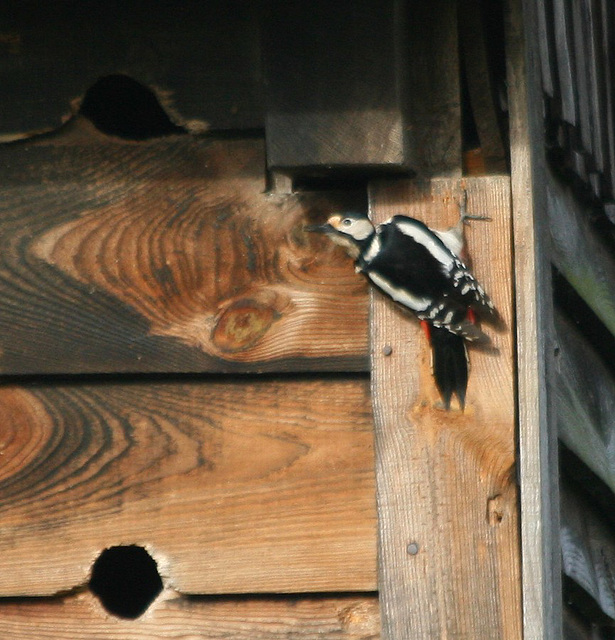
(336, 86)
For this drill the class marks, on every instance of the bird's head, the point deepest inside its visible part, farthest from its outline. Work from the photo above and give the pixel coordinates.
(350, 230)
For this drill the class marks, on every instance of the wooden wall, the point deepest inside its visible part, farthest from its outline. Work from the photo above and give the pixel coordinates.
(132, 273)
(565, 175)
(185, 369)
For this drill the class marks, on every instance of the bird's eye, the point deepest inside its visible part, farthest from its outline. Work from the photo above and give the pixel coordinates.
(346, 222)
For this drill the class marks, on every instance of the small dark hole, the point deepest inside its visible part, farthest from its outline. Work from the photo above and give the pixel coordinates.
(120, 106)
(126, 580)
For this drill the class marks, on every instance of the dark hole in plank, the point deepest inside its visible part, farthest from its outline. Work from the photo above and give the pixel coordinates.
(126, 580)
(120, 106)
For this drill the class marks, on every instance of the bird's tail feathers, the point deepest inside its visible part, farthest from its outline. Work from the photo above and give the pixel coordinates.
(450, 365)
(468, 330)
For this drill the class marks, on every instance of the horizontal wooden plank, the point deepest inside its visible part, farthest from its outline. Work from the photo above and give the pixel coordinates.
(168, 255)
(77, 617)
(585, 392)
(578, 252)
(232, 487)
(588, 556)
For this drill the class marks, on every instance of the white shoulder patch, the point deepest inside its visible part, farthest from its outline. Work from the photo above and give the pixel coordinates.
(373, 249)
(452, 239)
(416, 303)
(429, 240)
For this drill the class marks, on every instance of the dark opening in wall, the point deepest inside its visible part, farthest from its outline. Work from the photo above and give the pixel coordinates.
(120, 106)
(126, 580)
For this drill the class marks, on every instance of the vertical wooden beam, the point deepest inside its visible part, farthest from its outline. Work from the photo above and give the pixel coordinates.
(538, 467)
(449, 549)
(434, 113)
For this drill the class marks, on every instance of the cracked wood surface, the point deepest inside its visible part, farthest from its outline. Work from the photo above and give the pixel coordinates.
(167, 255)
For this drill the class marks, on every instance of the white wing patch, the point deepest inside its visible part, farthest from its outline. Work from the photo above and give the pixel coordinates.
(426, 238)
(416, 303)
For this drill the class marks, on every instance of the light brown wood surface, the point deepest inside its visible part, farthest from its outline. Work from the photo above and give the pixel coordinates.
(80, 617)
(167, 255)
(446, 480)
(233, 487)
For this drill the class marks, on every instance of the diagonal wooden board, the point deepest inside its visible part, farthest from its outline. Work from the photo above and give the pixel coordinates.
(447, 495)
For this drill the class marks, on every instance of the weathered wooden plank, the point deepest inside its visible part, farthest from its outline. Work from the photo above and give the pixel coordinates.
(202, 59)
(574, 242)
(585, 392)
(565, 63)
(233, 487)
(167, 255)
(582, 62)
(328, 103)
(434, 106)
(595, 74)
(588, 555)
(546, 44)
(77, 617)
(449, 551)
(608, 55)
(596, 84)
(538, 448)
(478, 73)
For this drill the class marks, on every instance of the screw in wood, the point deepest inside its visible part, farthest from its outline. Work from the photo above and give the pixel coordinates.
(412, 548)
(387, 350)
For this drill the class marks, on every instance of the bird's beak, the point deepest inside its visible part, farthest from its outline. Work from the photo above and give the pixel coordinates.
(319, 228)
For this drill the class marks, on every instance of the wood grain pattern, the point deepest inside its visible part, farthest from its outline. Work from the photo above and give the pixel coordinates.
(167, 255)
(80, 617)
(446, 480)
(233, 487)
(538, 447)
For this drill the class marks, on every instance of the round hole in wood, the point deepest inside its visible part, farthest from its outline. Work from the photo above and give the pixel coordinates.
(120, 106)
(126, 580)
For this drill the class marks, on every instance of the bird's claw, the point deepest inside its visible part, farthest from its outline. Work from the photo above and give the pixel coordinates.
(464, 216)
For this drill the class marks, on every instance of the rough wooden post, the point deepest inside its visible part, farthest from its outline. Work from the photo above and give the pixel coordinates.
(447, 495)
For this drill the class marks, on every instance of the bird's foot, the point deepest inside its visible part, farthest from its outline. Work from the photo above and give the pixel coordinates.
(464, 216)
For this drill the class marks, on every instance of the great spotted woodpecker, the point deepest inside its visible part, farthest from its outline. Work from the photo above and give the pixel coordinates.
(420, 269)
